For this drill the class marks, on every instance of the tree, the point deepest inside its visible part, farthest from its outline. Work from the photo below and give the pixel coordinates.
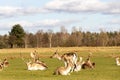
(45, 40)
(87, 39)
(77, 36)
(63, 36)
(50, 32)
(32, 40)
(103, 38)
(26, 39)
(16, 36)
(39, 36)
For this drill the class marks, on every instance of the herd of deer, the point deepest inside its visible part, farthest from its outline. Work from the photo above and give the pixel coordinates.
(72, 62)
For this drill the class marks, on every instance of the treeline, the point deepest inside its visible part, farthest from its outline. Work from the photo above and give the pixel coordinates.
(19, 38)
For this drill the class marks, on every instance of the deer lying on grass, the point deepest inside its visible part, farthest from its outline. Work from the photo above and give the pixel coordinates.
(88, 63)
(79, 64)
(64, 70)
(3, 64)
(117, 61)
(72, 57)
(35, 65)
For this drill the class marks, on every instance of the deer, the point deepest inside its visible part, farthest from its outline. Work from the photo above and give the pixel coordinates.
(65, 70)
(34, 56)
(36, 66)
(117, 61)
(88, 63)
(41, 62)
(3, 64)
(79, 64)
(72, 56)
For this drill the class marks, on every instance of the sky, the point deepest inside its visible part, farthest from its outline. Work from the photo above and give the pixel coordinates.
(34, 15)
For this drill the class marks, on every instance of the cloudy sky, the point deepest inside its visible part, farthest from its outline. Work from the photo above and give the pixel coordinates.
(33, 15)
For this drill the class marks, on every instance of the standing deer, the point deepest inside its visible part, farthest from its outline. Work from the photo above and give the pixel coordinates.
(67, 57)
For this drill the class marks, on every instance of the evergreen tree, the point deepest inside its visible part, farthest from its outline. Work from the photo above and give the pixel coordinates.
(16, 36)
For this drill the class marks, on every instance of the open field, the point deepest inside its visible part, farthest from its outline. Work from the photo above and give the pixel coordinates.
(104, 57)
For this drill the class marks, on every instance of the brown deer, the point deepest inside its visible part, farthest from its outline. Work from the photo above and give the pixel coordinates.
(88, 63)
(36, 66)
(3, 64)
(34, 56)
(79, 64)
(71, 56)
(64, 70)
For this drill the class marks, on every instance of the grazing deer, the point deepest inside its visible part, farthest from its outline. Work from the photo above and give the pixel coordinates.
(72, 57)
(64, 70)
(36, 66)
(34, 56)
(117, 61)
(88, 63)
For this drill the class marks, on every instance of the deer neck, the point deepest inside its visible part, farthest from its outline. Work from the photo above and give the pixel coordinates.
(68, 68)
(56, 55)
(59, 57)
(117, 61)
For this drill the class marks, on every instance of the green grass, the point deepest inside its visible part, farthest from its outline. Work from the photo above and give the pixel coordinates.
(103, 57)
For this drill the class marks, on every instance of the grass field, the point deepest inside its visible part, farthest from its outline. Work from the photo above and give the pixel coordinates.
(105, 69)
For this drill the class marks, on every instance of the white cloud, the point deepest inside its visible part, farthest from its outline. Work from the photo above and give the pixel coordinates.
(84, 6)
(35, 26)
(113, 8)
(68, 6)
(114, 21)
(10, 11)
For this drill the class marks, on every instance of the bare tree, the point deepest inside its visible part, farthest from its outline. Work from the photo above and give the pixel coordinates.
(39, 36)
(50, 33)
(26, 39)
(103, 38)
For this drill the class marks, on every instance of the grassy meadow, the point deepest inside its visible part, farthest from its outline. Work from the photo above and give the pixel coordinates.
(104, 57)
